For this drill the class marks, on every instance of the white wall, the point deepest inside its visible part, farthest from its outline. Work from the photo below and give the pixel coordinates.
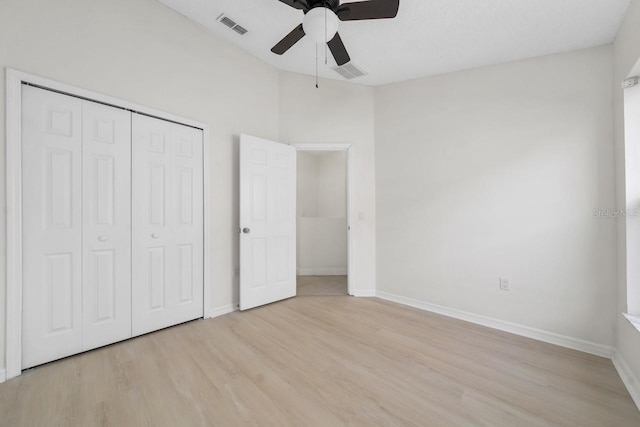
(322, 225)
(495, 172)
(322, 184)
(339, 112)
(332, 184)
(141, 51)
(307, 185)
(322, 246)
(626, 55)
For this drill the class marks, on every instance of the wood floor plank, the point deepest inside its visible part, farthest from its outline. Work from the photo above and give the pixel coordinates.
(321, 285)
(323, 361)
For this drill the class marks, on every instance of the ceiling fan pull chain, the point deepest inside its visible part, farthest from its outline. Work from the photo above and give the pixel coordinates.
(316, 65)
(325, 36)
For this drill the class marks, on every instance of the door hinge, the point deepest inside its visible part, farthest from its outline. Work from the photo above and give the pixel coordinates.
(630, 82)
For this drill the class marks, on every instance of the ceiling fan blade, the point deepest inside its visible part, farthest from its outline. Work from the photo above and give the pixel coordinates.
(338, 50)
(289, 40)
(372, 9)
(298, 4)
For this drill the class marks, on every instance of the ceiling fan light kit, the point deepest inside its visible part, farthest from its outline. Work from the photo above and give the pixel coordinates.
(321, 22)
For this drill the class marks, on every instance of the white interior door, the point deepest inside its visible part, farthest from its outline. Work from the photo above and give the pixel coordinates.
(267, 221)
(52, 226)
(106, 189)
(167, 215)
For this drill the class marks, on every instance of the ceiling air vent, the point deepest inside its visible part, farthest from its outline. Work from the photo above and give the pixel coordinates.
(224, 19)
(349, 71)
(240, 30)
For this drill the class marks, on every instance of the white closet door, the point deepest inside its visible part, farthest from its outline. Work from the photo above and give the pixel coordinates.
(167, 209)
(52, 226)
(106, 224)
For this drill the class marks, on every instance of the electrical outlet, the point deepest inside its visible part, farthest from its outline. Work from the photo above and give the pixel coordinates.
(504, 284)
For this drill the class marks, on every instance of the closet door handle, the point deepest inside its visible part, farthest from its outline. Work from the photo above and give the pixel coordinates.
(154, 236)
(102, 238)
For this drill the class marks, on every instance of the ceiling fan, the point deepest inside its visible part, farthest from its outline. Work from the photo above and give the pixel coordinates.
(321, 22)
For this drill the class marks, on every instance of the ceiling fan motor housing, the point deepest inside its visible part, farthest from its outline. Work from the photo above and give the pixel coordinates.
(331, 4)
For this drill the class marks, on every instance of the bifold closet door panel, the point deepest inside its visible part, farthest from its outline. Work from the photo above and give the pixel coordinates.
(167, 215)
(106, 186)
(51, 226)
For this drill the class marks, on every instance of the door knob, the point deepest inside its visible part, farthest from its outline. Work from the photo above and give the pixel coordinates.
(154, 236)
(102, 238)
(246, 230)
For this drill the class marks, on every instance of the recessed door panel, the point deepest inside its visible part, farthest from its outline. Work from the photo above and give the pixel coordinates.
(156, 278)
(157, 191)
(185, 252)
(167, 214)
(185, 177)
(58, 166)
(282, 197)
(104, 277)
(282, 258)
(104, 190)
(52, 226)
(104, 130)
(258, 198)
(58, 296)
(258, 272)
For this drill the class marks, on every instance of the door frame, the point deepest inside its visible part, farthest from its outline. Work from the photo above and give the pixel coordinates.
(13, 174)
(348, 149)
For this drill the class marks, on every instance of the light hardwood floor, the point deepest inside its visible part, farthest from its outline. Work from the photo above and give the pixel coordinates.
(324, 361)
(321, 285)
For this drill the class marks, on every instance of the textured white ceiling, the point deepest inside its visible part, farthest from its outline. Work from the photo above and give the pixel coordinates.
(427, 37)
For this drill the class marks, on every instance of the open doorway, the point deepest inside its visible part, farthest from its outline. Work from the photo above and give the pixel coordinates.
(322, 225)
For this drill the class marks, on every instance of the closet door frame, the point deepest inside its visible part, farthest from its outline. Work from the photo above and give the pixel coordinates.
(13, 168)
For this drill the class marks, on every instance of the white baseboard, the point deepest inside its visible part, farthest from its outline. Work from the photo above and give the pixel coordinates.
(514, 328)
(628, 378)
(221, 311)
(340, 271)
(3, 375)
(364, 293)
